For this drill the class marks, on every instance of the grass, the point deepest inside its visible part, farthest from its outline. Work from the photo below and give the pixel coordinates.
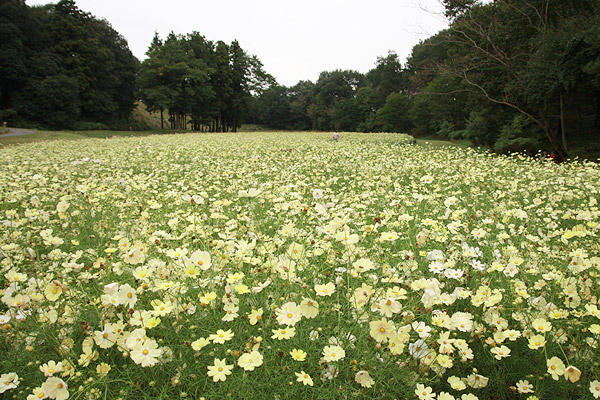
(76, 135)
(149, 120)
(71, 135)
(443, 143)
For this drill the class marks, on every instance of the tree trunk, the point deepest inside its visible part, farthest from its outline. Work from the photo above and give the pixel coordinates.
(597, 122)
(562, 122)
(162, 121)
(546, 125)
(235, 120)
(552, 138)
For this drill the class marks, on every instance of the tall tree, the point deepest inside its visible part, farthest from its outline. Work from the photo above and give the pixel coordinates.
(301, 98)
(13, 64)
(497, 52)
(387, 77)
(221, 81)
(331, 88)
(46, 47)
(202, 84)
(394, 115)
(275, 109)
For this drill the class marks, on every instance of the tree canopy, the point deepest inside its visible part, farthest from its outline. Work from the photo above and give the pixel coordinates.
(63, 68)
(204, 85)
(508, 74)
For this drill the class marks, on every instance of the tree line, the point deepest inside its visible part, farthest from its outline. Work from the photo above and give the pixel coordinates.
(507, 74)
(203, 85)
(63, 68)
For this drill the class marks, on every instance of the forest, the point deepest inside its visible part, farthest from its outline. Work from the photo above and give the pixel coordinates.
(61, 68)
(509, 75)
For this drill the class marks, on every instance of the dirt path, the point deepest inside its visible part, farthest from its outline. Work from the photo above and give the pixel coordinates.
(17, 132)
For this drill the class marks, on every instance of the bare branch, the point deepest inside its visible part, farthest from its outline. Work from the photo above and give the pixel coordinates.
(494, 100)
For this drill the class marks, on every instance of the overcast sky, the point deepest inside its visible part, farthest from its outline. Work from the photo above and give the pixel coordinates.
(295, 40)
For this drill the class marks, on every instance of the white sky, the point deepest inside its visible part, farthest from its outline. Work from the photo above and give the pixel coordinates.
(294, 40)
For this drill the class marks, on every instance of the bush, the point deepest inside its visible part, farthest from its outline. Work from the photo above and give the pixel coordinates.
(8, 115)
(457, 135)
(90, 126)
(516, 136)
(482, 126)
(445, 129)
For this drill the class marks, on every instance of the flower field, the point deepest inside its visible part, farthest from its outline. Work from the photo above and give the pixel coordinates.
(287, 265)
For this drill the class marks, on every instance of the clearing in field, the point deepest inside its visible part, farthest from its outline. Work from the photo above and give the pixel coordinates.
(288, 265)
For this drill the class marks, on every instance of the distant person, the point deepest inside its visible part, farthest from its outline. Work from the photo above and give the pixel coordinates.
(336, 136)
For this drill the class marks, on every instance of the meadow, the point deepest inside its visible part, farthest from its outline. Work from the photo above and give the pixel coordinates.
(287, 265)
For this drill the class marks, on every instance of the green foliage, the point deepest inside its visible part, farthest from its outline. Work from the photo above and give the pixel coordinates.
(516, 136)
(301, 98)
(500, 60)
(441, 100)
(482, 126)
(90, 126)
(445, 129)
(529, 58)
(387, 77)
(202, 84)
(393, 116)
(8, 115)
(55, 98)
(276, 107)
(44, 48)
(330, 89)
